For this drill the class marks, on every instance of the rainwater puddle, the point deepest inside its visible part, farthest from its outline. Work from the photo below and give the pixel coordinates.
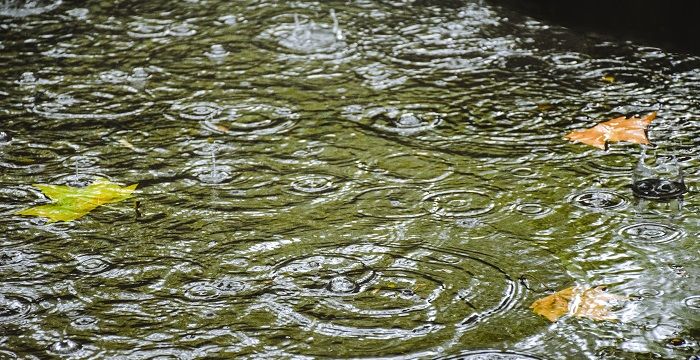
(364, 179)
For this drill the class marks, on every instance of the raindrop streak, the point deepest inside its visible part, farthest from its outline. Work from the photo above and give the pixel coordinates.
(312, 38)
(214, 174)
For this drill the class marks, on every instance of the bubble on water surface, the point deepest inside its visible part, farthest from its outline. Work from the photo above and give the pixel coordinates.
(64, 347)
(459, 203)
(648, 233)
(23, 8)
(92, 264)
(599, 200)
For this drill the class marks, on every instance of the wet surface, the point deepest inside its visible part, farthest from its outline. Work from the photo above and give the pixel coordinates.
(333, 179)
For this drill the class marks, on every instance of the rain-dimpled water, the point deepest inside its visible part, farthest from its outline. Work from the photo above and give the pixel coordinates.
(341, 179)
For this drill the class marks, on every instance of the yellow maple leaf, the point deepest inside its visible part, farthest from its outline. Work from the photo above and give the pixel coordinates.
(593, 303)
(71, 203)
(632, 130)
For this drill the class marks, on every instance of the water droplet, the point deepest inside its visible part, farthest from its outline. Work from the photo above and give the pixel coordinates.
(217, 53)
(64, 347)
(5, 138)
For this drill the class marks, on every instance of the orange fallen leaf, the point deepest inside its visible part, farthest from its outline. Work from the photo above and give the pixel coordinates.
(593, 303)
(554, 306)
(632, 130)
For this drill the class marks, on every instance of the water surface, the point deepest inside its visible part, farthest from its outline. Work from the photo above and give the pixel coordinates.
(336, 179)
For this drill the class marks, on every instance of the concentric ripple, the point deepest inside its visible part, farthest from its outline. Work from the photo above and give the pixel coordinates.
(312, 184)
(92, 264)
(201, 291)
(459, 203)
(64, 347)
(446, 291)
(24, 8)
(421, 167)
(649, 233)
(88, 106)
(533, 209)
(304, 36)
(390, 202)
(490, 355)
(14, 307)
(599, 199)
(392, 120)
(241, 119)
(692, 302)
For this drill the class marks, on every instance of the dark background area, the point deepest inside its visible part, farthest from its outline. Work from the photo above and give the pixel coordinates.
(671, 25)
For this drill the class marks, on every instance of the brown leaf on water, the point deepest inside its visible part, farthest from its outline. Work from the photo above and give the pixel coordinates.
(632, 130)
(596, 303)
(593, 303)
(554, 306)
